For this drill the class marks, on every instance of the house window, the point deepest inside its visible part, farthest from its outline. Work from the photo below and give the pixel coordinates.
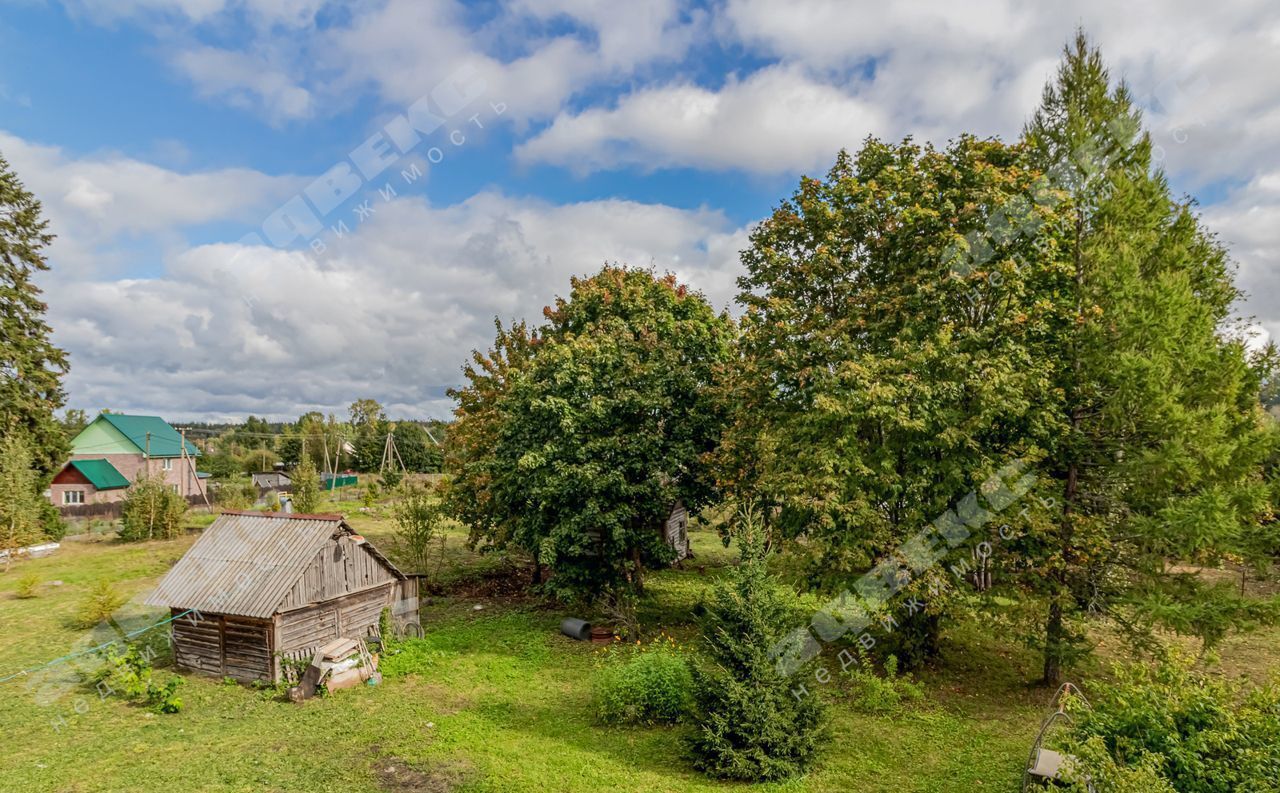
(173, 488)
(72, 496)
(167, 464)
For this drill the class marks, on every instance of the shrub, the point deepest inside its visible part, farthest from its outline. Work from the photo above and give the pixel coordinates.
(391, 478)
(151, 511)
(420, 520)
(643, 683)
(306, 487)
(1096, 771)
(371, 494)
(28, 586)
(273, 501)
(237, 494)
(886, 693)
(99, 605)
(1200, 734)
(128, 673)
(749, 725)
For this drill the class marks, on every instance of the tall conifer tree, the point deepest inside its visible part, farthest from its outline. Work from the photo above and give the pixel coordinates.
(31, 366)
(1155, 436)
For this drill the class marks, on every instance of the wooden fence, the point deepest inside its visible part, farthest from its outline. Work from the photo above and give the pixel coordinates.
(111, 510)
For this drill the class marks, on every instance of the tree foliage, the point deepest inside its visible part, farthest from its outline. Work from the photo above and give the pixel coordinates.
(748, 723)
(872, 393)
(22, 509)
(1155, 437)
(921, 317)
(573, 442)
(31, 367)
(151, 511)
(306, 487)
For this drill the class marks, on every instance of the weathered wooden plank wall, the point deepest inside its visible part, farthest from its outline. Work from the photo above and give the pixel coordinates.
(342, 566)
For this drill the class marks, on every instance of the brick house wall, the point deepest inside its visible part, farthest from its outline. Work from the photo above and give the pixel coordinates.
(129, 465)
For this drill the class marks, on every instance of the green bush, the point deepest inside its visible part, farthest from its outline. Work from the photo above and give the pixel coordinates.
(749, 724)
(1200, 734)
(28, 586)
(885, 693)
(420, 520)
(643, 683)
(128, 673)
(151, 511)
(99, 605)
(236, 494)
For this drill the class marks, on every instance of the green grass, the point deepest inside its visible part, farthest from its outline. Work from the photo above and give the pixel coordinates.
(489, 700)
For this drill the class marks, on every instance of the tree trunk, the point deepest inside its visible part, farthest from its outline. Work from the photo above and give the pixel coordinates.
(638, 569)
(1053, 638)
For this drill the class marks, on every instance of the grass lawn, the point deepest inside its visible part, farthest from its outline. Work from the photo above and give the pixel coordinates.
(488, 700)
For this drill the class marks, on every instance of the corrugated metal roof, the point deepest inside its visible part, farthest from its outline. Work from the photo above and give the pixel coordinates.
(246, 562)
(164, 440)
(100, 473)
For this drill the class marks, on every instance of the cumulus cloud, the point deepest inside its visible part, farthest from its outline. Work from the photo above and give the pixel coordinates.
(1249, 222)
(94, 203)
(778, 120)
(391, 311)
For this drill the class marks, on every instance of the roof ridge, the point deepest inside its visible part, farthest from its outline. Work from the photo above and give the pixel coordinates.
(326, 516)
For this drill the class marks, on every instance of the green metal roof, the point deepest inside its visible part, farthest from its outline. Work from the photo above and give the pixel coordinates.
(101, 474)
(164, 441)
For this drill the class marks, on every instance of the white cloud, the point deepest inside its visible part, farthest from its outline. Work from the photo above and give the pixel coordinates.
(1249, 222)
(389, 312)
(245, 80)
(778, 120)
(97, 201)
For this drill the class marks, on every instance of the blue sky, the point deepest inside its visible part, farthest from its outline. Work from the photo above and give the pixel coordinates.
(159, 133)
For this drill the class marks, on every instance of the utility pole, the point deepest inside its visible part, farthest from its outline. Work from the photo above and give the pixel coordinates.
(147, 455)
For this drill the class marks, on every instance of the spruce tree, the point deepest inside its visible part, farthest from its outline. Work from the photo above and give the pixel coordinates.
(31, 367)
(1152, 425)
(749, 725)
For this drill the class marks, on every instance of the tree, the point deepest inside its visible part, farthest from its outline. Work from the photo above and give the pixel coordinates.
(748, 723)
(1155, 435)
(420, 518)
(370, 427)
(599, 427)
(306, 487)
(22, 509)
(419, 453)
(873, 390)
(31, 367)
(73, 421)
(151, 511)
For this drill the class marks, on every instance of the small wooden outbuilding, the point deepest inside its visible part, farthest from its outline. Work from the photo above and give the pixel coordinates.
(261, 587)
(676, 530)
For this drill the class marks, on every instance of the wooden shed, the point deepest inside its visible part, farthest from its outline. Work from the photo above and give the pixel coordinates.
(263, 586)
(676, 530)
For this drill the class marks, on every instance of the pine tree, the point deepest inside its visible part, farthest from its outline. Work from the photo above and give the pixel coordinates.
(21, 506)
(1152, 428)
(31, 367)
(306, 487)
(749, 725)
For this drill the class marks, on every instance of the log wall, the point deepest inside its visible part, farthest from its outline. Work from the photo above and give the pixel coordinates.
(224, 646)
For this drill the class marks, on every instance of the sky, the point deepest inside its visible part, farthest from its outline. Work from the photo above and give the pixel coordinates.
(274, 206)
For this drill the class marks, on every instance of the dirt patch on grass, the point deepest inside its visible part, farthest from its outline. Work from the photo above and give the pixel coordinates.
(401, 776)
(506, 583)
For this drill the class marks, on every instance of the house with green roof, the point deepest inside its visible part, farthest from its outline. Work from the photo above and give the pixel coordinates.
(115, 449)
